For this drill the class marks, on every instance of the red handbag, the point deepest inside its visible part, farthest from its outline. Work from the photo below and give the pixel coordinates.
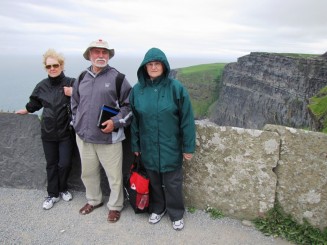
(137, 187)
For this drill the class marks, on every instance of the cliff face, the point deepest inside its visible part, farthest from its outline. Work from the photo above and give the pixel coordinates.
(266, 88)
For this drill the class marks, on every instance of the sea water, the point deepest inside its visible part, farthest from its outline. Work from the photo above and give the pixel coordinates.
(20, 74)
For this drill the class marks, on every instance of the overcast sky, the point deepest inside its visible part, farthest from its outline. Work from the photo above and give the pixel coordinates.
(215, 28)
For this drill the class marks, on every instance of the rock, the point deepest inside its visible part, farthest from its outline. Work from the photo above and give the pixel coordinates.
(267, 88)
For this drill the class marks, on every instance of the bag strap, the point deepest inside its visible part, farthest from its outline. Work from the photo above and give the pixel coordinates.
(137, 163)
(119, 81)
(79, 79)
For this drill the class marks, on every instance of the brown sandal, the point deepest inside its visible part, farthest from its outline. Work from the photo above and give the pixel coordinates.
(113, 216)
(88, 208)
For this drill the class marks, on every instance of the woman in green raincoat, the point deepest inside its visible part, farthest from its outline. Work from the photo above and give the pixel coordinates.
(163, 132)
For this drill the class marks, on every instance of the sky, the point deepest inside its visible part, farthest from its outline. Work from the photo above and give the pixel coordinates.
(222, 29)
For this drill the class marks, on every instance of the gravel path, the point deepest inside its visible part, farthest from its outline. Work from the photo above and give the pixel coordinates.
(23, 221)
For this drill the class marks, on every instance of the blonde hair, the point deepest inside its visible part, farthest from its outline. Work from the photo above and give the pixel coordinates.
(53, 54)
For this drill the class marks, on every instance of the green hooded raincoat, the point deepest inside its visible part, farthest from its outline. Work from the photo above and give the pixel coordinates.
(163, 126)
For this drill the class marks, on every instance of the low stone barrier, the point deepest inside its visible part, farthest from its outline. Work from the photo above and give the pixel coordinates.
(238, 171)
(233, 170)
(302, 174)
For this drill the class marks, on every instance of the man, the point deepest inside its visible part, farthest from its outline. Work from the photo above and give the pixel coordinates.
(100, 144)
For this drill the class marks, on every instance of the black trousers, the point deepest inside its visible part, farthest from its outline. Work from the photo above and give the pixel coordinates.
(166, 192)
(58, 155)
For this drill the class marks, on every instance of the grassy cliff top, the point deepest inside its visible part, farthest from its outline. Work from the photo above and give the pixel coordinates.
(205, 73)
(203, 83)
(318, 108)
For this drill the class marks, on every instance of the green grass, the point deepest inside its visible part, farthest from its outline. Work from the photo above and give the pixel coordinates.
(210, 69)
(318, 108)
(191, 210)
(279, 224)
(214, 213)
(203, 83)
(295, 55)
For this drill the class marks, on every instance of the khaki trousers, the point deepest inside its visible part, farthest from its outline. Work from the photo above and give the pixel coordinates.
(110, 156)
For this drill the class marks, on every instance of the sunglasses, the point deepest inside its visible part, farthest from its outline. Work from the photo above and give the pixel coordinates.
(53, 66)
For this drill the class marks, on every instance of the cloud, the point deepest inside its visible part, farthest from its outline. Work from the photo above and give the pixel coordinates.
(182, 28)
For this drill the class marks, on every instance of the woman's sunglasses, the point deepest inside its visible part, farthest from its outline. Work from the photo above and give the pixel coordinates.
(54, 66)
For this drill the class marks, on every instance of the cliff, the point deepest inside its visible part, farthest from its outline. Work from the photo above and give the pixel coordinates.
(202, 82)
(268, 88)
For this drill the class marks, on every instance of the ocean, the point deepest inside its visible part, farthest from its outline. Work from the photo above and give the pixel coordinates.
(20, 74)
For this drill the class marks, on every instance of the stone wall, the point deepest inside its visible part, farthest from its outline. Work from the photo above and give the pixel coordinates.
(22, 158)
(233, 170)
(302, 174)
(238, 171)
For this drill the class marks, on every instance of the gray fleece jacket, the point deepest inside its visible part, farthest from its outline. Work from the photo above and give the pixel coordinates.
(89, 94)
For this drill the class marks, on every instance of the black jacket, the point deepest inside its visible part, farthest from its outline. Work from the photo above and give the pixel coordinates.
(49, 95)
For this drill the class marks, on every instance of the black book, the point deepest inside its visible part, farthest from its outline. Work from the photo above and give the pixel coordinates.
(106, 112)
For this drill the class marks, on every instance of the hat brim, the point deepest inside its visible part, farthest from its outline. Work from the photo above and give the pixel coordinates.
(86, 54)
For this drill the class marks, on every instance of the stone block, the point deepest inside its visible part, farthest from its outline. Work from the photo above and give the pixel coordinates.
(22, 159)
(302, 174)
(232, 170)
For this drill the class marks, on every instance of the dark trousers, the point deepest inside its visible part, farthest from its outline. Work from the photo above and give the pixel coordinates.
(58, 155)
(166, 192)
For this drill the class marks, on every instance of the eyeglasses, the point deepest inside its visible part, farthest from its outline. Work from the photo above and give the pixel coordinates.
(156, 64)
(53, 66)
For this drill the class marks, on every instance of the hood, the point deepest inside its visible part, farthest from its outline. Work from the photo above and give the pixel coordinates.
(154, 54)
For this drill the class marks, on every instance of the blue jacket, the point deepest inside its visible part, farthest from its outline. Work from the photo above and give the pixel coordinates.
(163, 126)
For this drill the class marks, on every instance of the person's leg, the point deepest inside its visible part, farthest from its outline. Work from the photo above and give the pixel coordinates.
(51, 154)
(173, 182)
(157, 195)
(65, 163)
(90, 172)
(111, 158)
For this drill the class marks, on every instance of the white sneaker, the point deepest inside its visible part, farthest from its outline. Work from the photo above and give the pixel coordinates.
(66, 196)
(49, 201)
(178, 225)
(155, 218)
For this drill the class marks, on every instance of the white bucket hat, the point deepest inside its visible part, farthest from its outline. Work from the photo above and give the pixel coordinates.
(98, 44)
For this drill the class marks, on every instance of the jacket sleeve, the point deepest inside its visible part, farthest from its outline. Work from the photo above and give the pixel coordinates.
(125, 108)
(74, 100)
(135, 136)
(187, 123)
(35, 102)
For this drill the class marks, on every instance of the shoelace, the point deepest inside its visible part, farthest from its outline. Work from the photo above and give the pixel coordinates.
(48, 199)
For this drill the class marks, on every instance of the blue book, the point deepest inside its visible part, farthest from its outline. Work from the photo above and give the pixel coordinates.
(106, 112)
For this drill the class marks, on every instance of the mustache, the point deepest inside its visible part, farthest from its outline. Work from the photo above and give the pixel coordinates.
(100, 59)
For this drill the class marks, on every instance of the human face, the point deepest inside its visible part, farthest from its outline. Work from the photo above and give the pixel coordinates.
(154, 69)
(99, 58)
(53, 67)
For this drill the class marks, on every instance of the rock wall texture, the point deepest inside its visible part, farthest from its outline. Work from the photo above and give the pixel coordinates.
(233, 170)
(238, 171)
(22, 158)
(302, 174)
(267, 88)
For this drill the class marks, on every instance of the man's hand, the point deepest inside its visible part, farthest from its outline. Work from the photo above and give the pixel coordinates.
(109, 126)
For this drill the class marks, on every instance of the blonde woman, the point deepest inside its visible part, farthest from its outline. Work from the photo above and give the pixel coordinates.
(53, 95)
